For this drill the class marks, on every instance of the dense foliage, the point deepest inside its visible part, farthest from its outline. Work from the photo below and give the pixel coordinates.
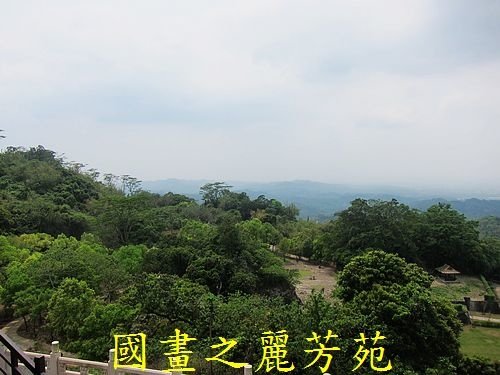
(83, 259)
(489, 227)
(432, 238)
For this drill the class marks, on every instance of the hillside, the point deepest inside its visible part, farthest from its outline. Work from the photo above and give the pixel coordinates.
(83, 259)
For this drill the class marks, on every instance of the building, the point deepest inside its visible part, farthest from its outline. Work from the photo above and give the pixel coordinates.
(447, 273)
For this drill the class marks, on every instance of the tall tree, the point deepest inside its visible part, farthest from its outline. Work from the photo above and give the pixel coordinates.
(377, 267)
(446, 236)
(382, 292)
(211, 193)
(372, 224)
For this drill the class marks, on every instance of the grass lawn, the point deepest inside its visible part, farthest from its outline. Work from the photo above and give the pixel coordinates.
(468, 286)
(481, 341)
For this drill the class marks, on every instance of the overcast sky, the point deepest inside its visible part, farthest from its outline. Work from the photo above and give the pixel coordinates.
(372, 92)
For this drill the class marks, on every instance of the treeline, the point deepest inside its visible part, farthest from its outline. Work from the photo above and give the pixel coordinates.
(83, 259)
(431, 238)
(39, 193)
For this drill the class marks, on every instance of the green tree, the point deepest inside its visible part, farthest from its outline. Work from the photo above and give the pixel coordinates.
(69, 306)
(245, 317)
(446, 236)
(211, 270)
(198, 235)
(372, 224)
(376, 267)
(382, 292)
(257, 233)
(211, 193)
(32, 303)
(17, 279)
(97, 329)
(489, 259)
(10, 253)
(39, 242)
(477, 366)
(489, 227)
(130, 257)
(169, 297)
(70, 258)
(171, 260)
(120, 220)
(244, 282)
(40, 193)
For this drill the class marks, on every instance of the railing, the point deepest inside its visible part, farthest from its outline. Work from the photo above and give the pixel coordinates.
(59, 365)
(55, 364)
(13, 361)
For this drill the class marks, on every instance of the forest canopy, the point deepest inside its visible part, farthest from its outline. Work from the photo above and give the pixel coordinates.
(84, 257)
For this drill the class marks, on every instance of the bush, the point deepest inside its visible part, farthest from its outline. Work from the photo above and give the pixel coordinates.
(490, 293)
(477, 366)
(486, 323)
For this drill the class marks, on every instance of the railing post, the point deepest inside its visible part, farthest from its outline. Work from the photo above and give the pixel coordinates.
(111, 362)
(13, 363)
(39, 365)
(247, 370)
(55, 354)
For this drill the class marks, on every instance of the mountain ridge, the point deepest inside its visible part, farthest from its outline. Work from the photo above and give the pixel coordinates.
(320, 200)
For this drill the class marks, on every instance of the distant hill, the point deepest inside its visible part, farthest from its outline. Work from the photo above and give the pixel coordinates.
(319, 201)
(473, 208)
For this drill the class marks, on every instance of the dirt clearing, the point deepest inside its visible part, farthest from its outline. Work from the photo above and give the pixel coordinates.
(312, 277)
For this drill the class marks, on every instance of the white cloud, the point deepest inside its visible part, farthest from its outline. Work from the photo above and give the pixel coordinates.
(363, 92)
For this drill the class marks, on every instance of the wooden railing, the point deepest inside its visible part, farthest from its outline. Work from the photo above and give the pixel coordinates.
(13, 361)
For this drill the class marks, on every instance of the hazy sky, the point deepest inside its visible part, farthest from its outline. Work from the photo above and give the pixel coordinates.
(380, 92)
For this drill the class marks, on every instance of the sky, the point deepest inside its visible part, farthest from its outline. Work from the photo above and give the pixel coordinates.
(389, 92)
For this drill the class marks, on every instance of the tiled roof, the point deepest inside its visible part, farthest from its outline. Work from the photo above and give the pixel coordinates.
(447, 269)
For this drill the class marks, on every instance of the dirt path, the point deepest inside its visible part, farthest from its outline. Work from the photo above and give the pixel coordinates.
(312, 277)
(10, 329)
(29, 345)
(485, 318)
